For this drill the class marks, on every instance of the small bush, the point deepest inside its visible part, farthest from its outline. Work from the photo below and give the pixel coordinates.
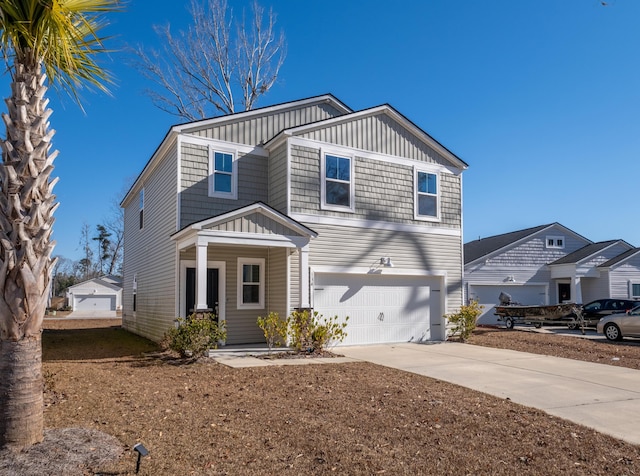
(311, 332)
(195, 336)
(464, 321)
(274, 329)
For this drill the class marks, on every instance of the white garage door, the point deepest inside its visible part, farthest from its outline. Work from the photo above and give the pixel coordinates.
(489, 297)
(94, 302)
(381, 308)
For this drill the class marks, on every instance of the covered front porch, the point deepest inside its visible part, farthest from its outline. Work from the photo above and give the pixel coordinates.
(238, 266)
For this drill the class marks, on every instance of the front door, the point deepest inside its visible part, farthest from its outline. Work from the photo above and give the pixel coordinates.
(212, 290)
(564, 292)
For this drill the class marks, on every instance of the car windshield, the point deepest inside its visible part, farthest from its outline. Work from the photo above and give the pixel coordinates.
(635, 311)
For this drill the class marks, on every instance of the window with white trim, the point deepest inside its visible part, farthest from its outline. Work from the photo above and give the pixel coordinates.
(337, 191)
(555, 242)
(223, 175)
(427, 197)
(634, 290)
(251, 283)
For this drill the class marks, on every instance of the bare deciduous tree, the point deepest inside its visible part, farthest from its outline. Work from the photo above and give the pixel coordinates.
(201, 71)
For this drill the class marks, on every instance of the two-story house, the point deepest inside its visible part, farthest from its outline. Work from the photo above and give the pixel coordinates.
(306, 204)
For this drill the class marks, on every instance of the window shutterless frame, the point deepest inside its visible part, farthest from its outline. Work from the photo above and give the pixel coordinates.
(251, 283)
(427, 202)
(337, 187)
(223, 173)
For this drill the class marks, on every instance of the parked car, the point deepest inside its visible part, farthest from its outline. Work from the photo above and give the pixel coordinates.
(593, 311)
(617, 326)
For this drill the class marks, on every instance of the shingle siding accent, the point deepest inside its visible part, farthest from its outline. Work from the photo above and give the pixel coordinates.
(383, 190)
(278, 165)
(196, 205)
(259, 130)
(149, 253)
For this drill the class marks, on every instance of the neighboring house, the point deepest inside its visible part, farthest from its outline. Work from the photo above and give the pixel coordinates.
(306, 204)
(98, 294)
(548, 264)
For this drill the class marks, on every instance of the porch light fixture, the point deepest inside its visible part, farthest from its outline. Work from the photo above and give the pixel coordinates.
(386, 262)
(510, 279)
(142, 451)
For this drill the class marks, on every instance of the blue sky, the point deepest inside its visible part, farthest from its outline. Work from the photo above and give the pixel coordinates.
(540, 97)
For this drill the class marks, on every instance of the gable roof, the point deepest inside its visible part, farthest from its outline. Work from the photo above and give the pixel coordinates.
(620, 258)
(109, 281)
(257, 207)
(586, 252)
(243, 115)
(477, 249)
(178, 129)
(384, 109)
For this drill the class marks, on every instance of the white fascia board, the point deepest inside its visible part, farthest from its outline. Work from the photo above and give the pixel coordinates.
(215, 143)
(251, 239)
(375, 224)
(366, 154)
(382, 271)
(389, 111)
(168, 141)
(230, 118)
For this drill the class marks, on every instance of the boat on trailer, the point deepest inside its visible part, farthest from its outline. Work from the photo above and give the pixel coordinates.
(516, 313)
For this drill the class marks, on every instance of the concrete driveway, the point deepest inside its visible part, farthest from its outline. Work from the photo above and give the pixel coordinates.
(602, 397)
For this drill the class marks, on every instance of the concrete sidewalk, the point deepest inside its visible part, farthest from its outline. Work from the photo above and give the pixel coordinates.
(602, 397)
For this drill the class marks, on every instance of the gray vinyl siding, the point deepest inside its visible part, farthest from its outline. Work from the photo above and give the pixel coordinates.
(380, 134)
(384, 191)
(278, 165)
(149, 253)
(622, 275)
(348, 247)
(259, 130)
(241, 324)
(195, 203)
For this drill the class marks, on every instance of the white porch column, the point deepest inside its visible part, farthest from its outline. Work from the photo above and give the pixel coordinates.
(201, 277)
(303, 263)
(576, 290)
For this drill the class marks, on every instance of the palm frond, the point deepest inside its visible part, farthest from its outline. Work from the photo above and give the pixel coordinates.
(61, 35)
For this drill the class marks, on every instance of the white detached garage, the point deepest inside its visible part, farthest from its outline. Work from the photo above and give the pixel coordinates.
(97, 294)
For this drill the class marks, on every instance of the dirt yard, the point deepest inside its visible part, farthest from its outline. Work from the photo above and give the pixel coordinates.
(356, 419)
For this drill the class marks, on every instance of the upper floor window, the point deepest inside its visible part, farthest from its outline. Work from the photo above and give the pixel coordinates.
(337, 183)
(223, 177)
(427, 205)
(141, 208)
(251, 283)
(556, 242)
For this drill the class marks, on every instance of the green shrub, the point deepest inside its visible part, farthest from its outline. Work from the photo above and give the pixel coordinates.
(194, 336)
(274, 329)
(311, 332)
(464, 321)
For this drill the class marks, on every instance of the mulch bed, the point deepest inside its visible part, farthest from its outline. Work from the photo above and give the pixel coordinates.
(203, 418)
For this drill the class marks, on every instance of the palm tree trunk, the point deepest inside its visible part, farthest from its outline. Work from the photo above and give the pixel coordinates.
(21, 387)
(26, 208)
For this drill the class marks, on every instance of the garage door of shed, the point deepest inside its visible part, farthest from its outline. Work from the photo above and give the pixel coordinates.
(381, 308)
(94, 303)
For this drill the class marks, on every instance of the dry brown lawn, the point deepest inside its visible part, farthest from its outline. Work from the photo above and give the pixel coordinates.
(203, 418)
